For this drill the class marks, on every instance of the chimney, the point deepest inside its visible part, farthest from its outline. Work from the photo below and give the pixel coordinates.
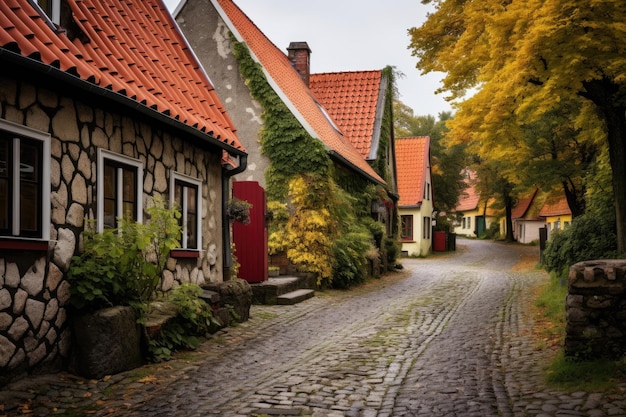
(300, 58)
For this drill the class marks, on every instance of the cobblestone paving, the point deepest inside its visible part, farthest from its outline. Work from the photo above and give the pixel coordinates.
(449, 340)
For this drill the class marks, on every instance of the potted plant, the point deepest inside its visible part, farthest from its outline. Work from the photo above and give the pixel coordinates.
(239, 210)
(273, 271)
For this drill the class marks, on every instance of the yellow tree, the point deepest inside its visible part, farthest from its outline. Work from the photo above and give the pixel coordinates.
(526, 58)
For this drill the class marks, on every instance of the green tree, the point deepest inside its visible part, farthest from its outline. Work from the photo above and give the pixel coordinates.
(527, 58)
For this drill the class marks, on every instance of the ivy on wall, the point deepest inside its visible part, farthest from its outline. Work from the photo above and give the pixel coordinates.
(289, 147)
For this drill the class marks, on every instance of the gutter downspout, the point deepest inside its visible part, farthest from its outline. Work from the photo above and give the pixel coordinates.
(226, 176)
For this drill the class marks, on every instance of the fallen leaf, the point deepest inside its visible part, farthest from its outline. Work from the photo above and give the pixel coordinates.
(148, 379)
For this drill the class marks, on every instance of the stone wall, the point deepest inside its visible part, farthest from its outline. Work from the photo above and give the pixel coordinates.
(34, 295)
(596, 309)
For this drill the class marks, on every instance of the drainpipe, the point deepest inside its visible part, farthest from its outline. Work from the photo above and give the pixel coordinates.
(226, 175)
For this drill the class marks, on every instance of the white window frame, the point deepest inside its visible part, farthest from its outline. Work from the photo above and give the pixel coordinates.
(103, 155)
(55, 12)
(43, 137)
(175, 176)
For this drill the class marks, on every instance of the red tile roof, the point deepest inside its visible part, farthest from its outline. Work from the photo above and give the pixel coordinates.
(412, 162)
(287, 83)
(555, 207)
(521, 208)
(469, 199)
(352, 100)
(133, 48)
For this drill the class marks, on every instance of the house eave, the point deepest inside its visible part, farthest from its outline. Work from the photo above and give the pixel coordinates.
(89, 88)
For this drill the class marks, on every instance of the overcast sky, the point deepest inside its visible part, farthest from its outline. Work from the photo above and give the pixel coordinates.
(351, 36)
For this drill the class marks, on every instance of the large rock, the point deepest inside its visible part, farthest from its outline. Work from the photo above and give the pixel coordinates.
(107, 342)
(236, 293)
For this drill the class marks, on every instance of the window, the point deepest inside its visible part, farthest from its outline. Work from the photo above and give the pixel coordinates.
(427, 227)
(120, 183)
(24, 182)
(427, 191)
(406, 232)
(52, 8)
(187, 196)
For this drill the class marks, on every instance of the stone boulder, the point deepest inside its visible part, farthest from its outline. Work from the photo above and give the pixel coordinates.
(235, 293)
(106, 342)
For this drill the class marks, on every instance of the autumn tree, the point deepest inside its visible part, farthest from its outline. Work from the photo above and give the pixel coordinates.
(526, 58)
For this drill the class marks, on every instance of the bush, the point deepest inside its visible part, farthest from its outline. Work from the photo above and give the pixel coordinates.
(588, 237)
(123, 266)
(350, 252)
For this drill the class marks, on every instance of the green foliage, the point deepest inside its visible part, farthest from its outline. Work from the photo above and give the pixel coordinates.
(194, 318)
(588, 237)
(277, 228)
(123, 266)
(590, 376)
(350, 254)
(392, 248)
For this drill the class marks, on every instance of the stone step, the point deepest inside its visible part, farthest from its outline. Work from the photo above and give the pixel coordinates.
(294, 297)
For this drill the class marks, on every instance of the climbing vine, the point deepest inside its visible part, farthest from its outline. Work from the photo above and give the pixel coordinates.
(289, 147)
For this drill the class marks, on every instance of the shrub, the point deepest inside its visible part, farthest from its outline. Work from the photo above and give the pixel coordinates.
(350, 257)
(588, 237)
(123, 266)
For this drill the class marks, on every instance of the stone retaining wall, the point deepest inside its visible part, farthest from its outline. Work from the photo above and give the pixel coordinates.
(596, 309)
(34, 294)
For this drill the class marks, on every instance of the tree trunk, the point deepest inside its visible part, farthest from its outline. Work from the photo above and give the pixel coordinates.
(616, 129)
(609, 99)
(508, 204)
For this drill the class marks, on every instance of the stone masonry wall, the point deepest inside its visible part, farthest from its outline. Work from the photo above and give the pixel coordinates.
(34, 295)
(596, 309)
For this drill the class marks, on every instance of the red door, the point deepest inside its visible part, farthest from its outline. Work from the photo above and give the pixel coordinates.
(251, 239)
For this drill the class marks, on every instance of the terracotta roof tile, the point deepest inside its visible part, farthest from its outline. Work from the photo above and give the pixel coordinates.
(412, 162)
(351, 99)
(289, 86)
(555, 206)
(134, 48)
(469, 199)
(521, 208)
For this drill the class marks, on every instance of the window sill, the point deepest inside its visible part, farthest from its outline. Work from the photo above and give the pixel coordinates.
(407, 241)
(23, 245)
(184, 253)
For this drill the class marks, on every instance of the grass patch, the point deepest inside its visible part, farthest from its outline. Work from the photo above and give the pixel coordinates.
(591, 376)
(550, 302)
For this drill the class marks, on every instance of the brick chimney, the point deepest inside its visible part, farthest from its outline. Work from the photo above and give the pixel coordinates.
(300, 58)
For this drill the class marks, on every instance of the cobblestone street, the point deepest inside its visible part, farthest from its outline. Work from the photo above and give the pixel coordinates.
(447, 336)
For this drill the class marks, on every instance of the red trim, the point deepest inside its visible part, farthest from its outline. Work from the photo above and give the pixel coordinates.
(26, 245)
(184, 253)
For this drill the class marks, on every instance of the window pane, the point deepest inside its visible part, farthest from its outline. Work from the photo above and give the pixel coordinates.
(30, 187)
(129, 193)
(4, 185)
(110, 175)
(192, 232)
(29, 208)
(109, 214)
